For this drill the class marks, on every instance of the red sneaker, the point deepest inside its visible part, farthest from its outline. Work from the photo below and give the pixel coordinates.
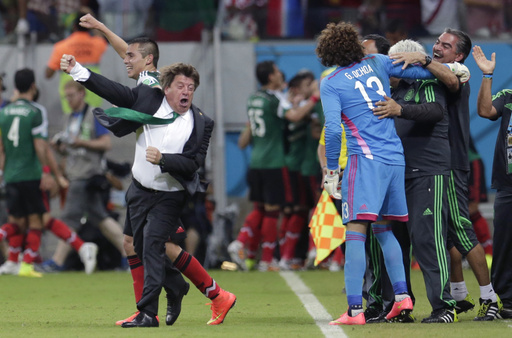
(401, 311)
(345, 319)
(220, 307)
(129, 319)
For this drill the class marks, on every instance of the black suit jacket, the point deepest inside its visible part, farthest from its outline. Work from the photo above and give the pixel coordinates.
(183, 167)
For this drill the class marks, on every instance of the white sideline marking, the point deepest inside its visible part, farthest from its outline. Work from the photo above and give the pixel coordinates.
(312, 305)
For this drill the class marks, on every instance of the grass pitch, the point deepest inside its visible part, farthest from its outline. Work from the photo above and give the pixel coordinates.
(73, 304)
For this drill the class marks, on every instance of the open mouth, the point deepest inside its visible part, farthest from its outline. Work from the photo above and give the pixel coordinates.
(184, 102)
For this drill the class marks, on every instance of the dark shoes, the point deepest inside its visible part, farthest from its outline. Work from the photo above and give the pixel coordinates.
(174, 305)
(442, 316)
(373, 315)
(142, 320)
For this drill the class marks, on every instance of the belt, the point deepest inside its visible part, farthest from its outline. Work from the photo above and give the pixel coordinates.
(141, 187)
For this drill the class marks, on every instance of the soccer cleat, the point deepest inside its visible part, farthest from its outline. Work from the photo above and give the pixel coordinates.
(488, 309)
(129, 319)
(442, 316)
(87, 253)
(401, 311)
(505, 313)
(465, 305)
(27, 270)
(236, 251)
(373, 315)
(268, 266)
(49, 266)
(345, 319)
(285, 265)
(9, 268)
(250, 263)
(220, 307)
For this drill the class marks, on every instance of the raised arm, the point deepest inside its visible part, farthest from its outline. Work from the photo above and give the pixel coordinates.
(442, 72)
(484, 100)
(90, 22)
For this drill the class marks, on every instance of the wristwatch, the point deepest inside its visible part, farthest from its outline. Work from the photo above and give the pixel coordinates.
(162, 162)
(428, 60)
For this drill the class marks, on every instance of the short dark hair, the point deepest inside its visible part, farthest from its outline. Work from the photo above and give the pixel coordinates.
(297, 79)
(338, 45)
(168, 73)
(76, 22)
(147, 46)
(463, 43)
(381, 43)
(263, 71)
(23, 79)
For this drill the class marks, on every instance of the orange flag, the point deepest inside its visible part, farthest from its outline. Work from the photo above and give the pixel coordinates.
(327, 228)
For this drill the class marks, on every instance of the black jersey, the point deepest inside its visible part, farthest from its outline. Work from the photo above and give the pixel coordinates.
(458, 114)
(502, 101)
(423, 127)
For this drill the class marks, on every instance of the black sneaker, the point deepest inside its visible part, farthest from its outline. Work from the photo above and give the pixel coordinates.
(488, 309)
(465, 305)
(373, 315)
(505, 313)
(442, 316)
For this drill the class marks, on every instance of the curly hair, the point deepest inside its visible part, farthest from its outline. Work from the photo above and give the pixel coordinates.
(338, 45)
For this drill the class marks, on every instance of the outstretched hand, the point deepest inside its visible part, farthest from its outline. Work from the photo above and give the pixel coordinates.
(67, 62)
(485, 65)
(408, 58)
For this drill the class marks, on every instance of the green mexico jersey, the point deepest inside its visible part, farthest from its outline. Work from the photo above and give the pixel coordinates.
(311, 166)
(295, 143)
(20, 123)
(267, 126)
(151, 79)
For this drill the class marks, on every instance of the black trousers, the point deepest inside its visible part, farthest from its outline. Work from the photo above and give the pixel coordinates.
(154, 217)
(501, 274)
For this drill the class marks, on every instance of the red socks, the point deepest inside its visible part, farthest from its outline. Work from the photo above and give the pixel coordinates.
(137, 271)
(269, 233)
(32, 243)
(482, 231)
(193, 270)
(61, 230)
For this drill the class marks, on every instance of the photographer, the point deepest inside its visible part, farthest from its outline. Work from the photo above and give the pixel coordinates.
(83, 143)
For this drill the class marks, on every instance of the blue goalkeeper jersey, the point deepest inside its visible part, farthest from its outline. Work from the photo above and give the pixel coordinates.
(348, 96)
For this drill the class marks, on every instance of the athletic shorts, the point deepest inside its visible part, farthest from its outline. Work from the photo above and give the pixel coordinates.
(25, 198)
(477, 185)
(270, 186)
(372, 190)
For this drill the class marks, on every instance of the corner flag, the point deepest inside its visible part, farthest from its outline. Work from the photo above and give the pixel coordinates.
(327, 227)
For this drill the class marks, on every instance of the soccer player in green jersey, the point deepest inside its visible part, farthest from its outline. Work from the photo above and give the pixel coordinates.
(23, 150)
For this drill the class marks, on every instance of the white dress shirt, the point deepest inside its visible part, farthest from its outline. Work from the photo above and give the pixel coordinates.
(168, 138)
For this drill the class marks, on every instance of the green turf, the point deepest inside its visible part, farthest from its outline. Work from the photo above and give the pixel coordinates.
(77, 305)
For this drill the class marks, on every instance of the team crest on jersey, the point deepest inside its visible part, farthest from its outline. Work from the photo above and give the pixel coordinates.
(409, 95)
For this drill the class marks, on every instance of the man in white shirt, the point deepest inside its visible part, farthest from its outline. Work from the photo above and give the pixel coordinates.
(172, 140)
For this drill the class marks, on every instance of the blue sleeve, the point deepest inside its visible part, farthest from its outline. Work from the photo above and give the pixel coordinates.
(99, 130)
(332, 110)
(411, 72)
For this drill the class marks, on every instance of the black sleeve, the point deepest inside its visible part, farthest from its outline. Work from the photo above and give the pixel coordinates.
(187, 164)
(431, 106)
(426, 112)
(113, 92)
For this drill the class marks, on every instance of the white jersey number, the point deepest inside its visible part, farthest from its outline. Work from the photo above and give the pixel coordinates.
(257, 122)
(369, 83)
(14, 132)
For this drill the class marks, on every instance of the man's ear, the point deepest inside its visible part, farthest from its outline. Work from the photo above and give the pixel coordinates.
(459, 57)
(149, 59)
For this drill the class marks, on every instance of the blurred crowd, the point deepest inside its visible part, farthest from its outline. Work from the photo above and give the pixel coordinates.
(254, 20)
